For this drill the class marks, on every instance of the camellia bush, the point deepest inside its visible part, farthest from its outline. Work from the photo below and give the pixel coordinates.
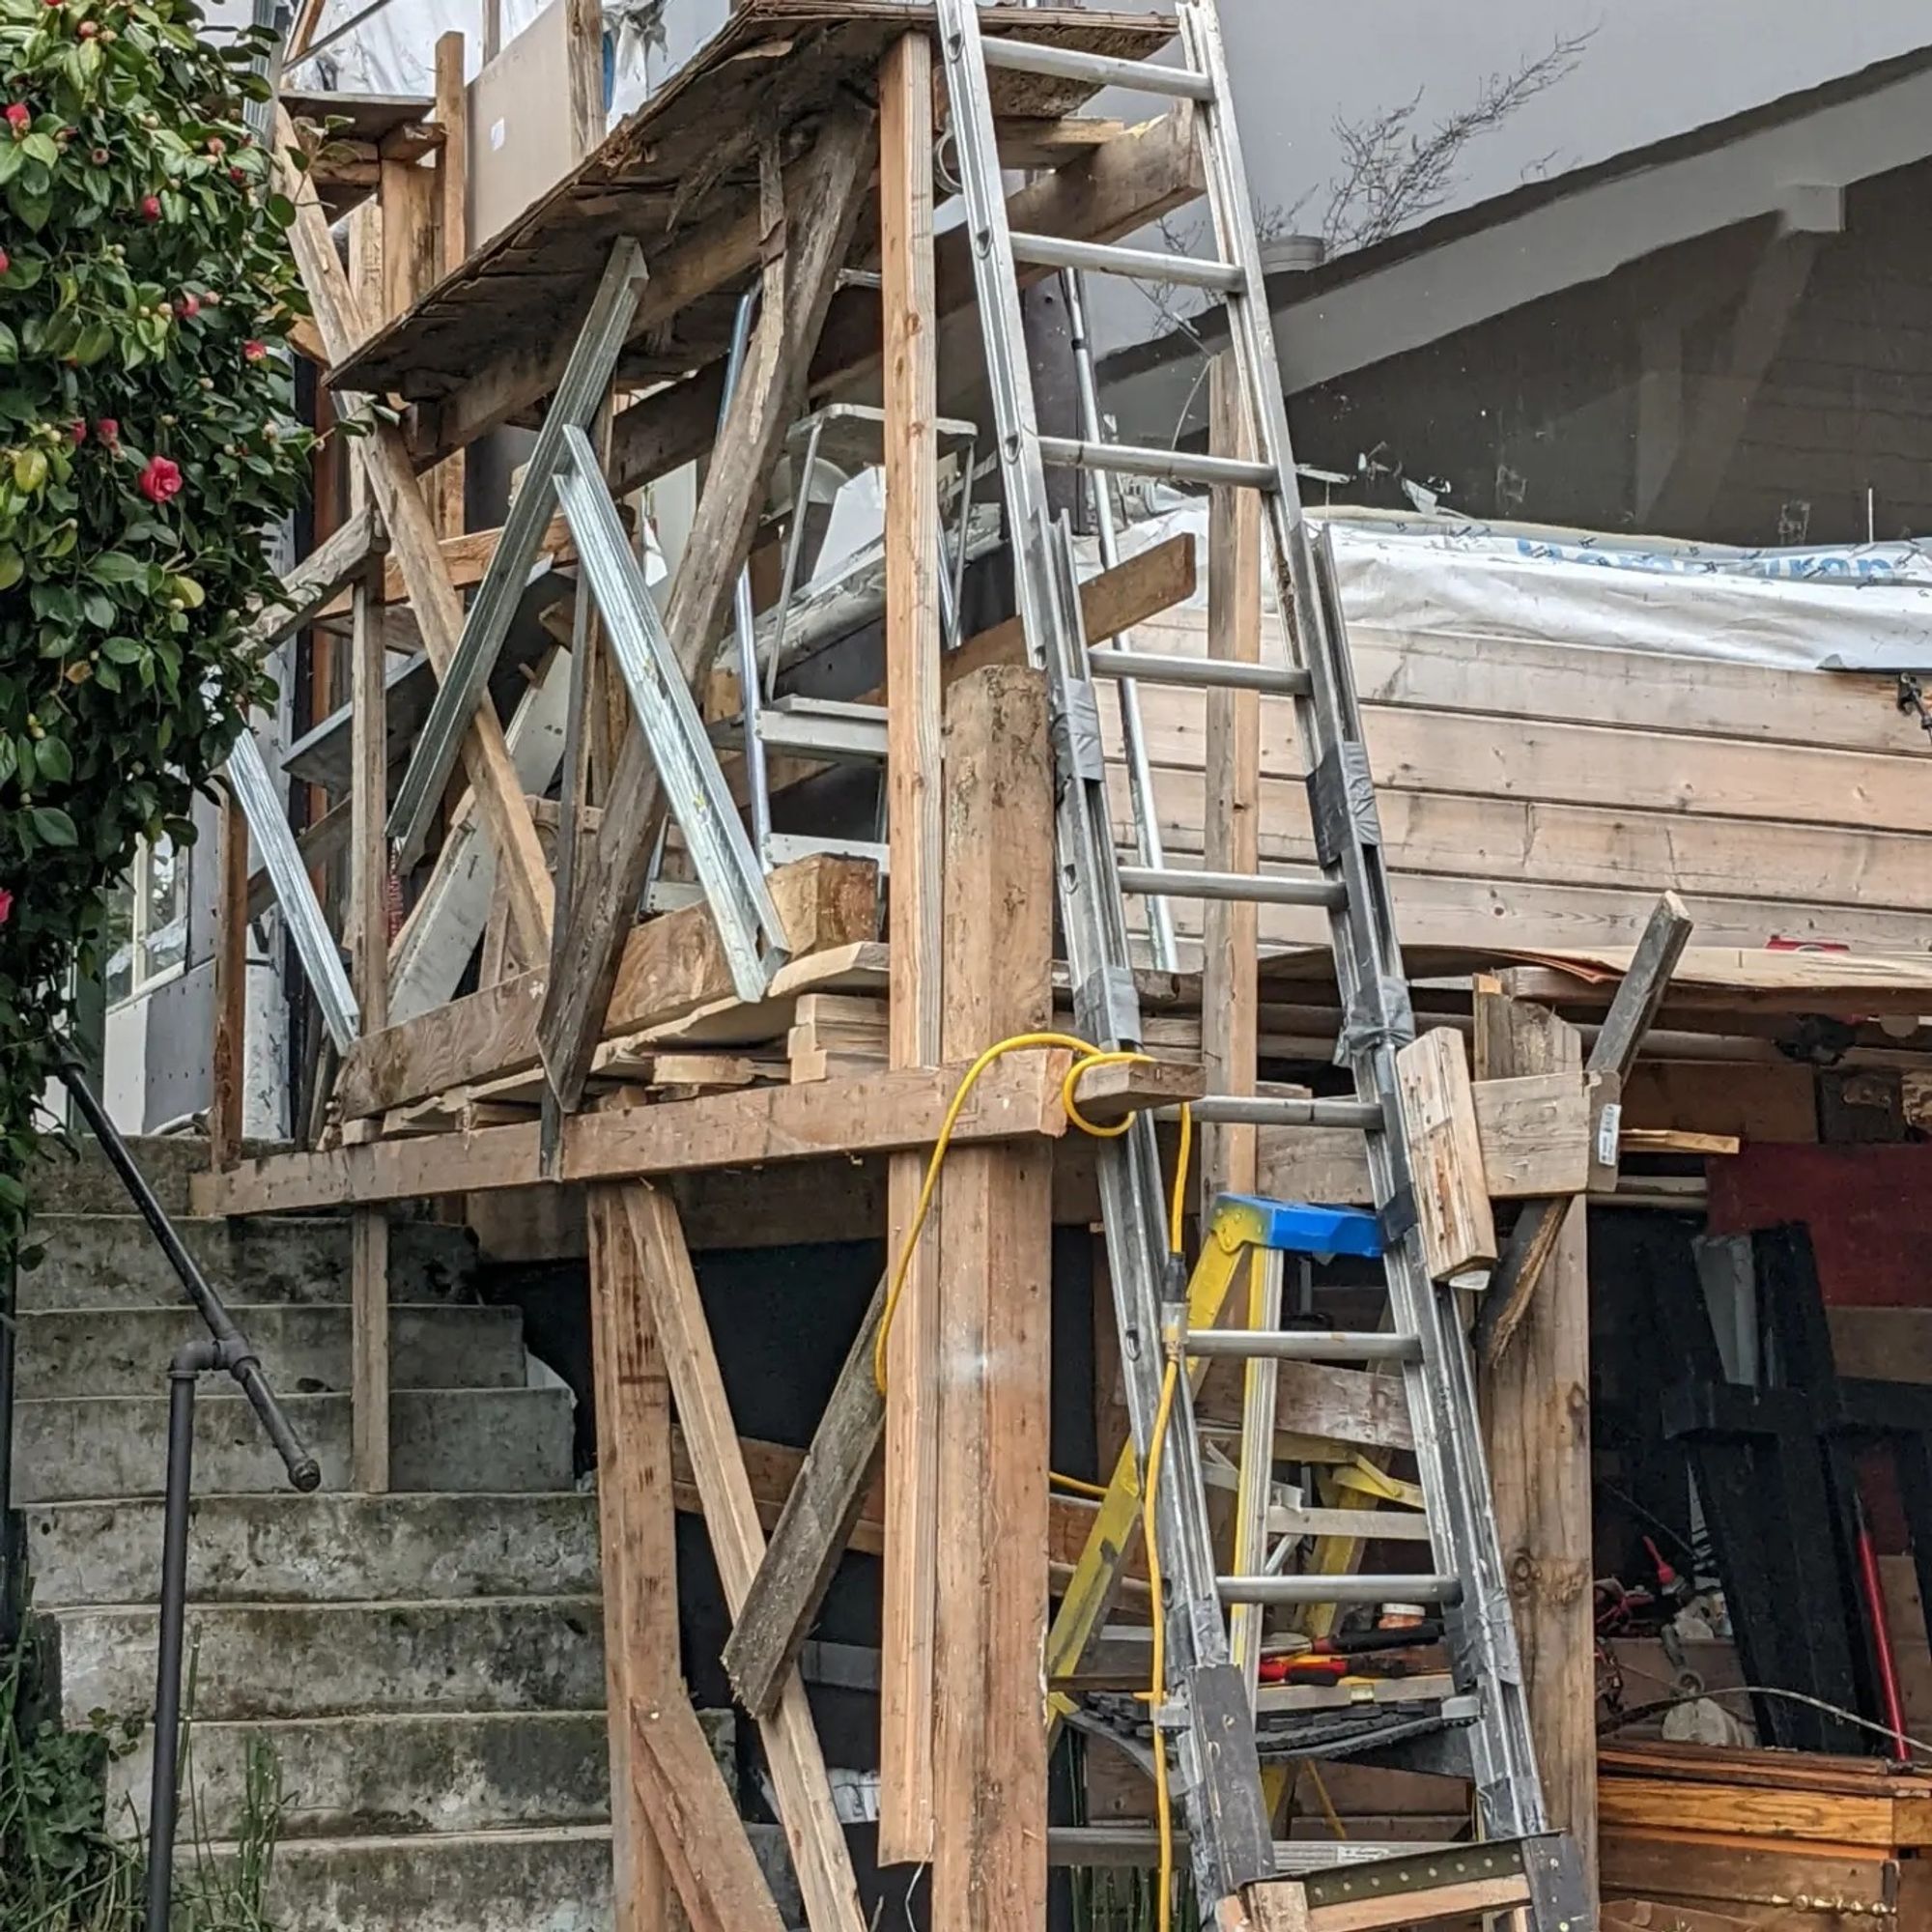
(147, 453)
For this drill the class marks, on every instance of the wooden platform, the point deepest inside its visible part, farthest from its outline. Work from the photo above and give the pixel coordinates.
(681, 174)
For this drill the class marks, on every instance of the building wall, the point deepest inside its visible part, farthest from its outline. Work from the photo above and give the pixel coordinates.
(1573, 408)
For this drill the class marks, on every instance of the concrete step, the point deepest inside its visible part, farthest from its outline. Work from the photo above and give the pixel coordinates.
(111, 1261)
(320, 1548)
(304, 1351)
(62, 1184)
(389, 1775)
(554, 1880)
(74, 1448)
(546, 1881)
(338, 1660)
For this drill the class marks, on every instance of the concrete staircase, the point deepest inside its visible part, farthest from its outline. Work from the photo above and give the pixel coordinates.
(427, 1666)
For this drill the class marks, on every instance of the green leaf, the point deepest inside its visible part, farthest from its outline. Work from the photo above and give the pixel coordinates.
(115, 566)
(96, 608)
(41, 148)
(53, 826)
(281, 211)
(11, 159)
(10, 346)
(120, 650)
(54, 759)
(12, 567)
(30, 469)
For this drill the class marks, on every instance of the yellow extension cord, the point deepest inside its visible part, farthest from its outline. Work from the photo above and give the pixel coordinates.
(1090, 1058)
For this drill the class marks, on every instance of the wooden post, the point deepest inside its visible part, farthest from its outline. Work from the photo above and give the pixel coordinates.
(369, 954)
(638, 1539)
(584, 25)
(1230, 820)
(915, 819)
(1536, 1412)
(796, 1765)
(452, 239)
(989, 1745)
(231, 990)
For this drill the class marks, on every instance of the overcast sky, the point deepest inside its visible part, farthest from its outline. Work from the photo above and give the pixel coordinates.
(1651, 67)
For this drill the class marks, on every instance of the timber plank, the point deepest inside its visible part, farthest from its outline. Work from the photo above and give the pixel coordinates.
(792, 1752)
(672, 967)
(825, 1120)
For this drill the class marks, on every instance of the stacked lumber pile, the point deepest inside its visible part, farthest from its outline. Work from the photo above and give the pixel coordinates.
(1704, 1838)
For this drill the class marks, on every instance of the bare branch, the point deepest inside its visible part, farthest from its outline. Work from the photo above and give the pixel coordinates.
(1393, 175)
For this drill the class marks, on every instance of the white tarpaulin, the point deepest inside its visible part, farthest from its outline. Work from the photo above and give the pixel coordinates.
(393, 50)
(1863, 608)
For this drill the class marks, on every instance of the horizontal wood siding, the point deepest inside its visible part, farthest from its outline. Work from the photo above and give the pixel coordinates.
(1536, 795)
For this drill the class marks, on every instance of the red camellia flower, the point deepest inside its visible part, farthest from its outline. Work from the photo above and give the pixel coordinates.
(6, 906)
(237, 177)
(161, 481)
(6, 262)
(188, 305)
(108, 431)
(79, 433)
(20, 118)
(151, 208)
(253, 351)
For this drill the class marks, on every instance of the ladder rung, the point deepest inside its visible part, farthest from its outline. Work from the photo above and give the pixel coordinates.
(1102, 70)
(1201, 673)
(1144, 264)
(1174, 465)
(1174, 882)
(1303, 1344)
(1282, 1591)
(1277, 1110)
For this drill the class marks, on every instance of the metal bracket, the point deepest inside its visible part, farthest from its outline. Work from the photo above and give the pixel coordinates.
(1342, 802)
(749, 924)
(314, 946)
(579, 395)
(1079, 751)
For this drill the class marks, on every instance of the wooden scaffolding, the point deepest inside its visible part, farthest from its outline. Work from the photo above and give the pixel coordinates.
(796, 156)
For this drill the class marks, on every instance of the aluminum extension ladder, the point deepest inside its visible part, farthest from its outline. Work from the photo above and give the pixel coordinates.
(1207, 1716)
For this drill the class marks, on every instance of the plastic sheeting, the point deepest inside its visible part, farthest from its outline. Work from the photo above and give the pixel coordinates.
(1864, 608)
(393, 51)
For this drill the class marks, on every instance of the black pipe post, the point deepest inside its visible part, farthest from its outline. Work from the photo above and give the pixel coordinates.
(164, 1789)
(13, 1542)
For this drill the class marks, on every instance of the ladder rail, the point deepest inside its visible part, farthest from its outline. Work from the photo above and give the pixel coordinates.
(1377, 1015)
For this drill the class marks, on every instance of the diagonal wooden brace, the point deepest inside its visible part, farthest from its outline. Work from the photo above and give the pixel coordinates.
(439, 612)
(821, 210)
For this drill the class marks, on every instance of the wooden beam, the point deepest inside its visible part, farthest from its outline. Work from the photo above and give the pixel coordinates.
(637, 1548)
(1148, 172)
(916, 822)
(1109, 1094)
(821, 1509)
(989, 1744)
(313, 583)
(822, 207)
(1231, 822)
(584, 74)
(824, 1119)
(1445, 1153)
(792, 1753)
(368, 919)
(1538, 1229)
(1536, 1418)
(466, 555)
(394, 493)
(228, 1063)
(673, 965)
(452, 237)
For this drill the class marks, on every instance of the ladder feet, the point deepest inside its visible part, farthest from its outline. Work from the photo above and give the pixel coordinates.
(1541, 1877)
